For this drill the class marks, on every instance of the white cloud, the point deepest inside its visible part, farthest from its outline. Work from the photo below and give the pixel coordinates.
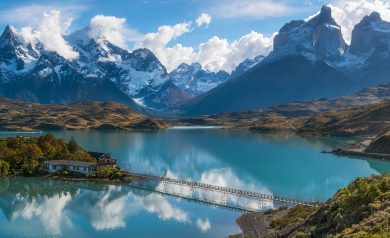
(50, 32)
(251, 9)
(113, 29)
(166, 33)
(203, 19)
(49, 210)
(348, 13)
(51, 29)
(109, 213)
(170, 57)
(203, 225)
(217, 54)
(154, 203)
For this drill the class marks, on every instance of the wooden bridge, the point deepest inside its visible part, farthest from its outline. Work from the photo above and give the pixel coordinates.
(212, 194)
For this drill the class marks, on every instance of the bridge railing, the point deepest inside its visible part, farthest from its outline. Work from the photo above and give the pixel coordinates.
(237, 192)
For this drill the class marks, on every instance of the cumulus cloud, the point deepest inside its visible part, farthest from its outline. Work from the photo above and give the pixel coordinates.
(218, 54)
(50, 211)
(251, 9)
(203, 225)
(203, 19)
(165, 211)
(215, 54)
(112, 29)
(165, 34)
(50, 33)
(171, 57)
(348, 13)
(109, 213)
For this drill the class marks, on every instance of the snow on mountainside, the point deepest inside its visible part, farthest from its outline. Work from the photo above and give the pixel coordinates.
(246, 65)
(47, 77)
(129, 75)
(132, 72)
(370, 43)
(370, 33)
(195, 80)
(368, 58)
(17, 54)
(298, 68)
(317, 39)
(138, 74)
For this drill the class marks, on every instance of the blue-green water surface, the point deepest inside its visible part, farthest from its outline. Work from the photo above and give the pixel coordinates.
(279, 164)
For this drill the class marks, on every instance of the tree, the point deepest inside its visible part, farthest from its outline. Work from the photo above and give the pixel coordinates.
(31, 152)
(73, 146)
(4, 167)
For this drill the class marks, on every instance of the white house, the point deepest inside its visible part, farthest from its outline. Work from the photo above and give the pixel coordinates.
(69, 165)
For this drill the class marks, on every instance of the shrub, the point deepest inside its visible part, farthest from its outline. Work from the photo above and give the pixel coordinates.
(4, 167)
(109, 173)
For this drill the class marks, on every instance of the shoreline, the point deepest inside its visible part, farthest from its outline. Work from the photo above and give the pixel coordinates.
(358, 153)
(69, 178)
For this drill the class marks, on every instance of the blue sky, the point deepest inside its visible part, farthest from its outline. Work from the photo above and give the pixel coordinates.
(148, 15)
(236, 29)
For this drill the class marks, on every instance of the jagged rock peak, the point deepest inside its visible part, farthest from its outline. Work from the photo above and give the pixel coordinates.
(319, 38)
(9, 33)
(369, 34)
(325, 16)
(375, 16)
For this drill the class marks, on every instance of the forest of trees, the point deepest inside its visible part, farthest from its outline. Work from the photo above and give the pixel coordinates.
(24, 154)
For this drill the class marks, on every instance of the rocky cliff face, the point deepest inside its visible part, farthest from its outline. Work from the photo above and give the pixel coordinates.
(367, 59)
(371, 33)
(318, 39)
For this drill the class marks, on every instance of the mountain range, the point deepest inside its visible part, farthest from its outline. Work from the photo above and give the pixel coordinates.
(310, 60)
(103, 72)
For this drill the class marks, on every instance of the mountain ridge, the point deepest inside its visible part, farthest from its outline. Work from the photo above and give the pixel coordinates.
(310, 60)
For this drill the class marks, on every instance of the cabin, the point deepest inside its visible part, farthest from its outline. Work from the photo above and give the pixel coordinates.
(69, 165)
(104, 160)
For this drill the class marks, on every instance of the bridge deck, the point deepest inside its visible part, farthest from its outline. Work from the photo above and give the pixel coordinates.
(233, 191)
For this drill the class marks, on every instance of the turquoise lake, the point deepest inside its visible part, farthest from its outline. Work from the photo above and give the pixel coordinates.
(279, 164)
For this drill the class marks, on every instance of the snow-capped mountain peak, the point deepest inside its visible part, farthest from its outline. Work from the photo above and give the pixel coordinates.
(195, 80)
(17, 53)
(246, 65)
(319, 38)
(370, 33)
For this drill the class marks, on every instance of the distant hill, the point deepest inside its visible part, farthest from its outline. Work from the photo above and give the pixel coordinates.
(293, 115)
(15, 115)
(369, 120)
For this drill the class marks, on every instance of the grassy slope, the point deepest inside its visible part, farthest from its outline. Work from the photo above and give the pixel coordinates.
(15, 115)
(362, 209)
(368, 120)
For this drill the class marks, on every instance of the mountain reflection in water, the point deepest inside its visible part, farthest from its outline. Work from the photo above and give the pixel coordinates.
(59, 208)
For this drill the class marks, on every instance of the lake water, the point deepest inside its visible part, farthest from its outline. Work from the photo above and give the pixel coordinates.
(278, 164)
